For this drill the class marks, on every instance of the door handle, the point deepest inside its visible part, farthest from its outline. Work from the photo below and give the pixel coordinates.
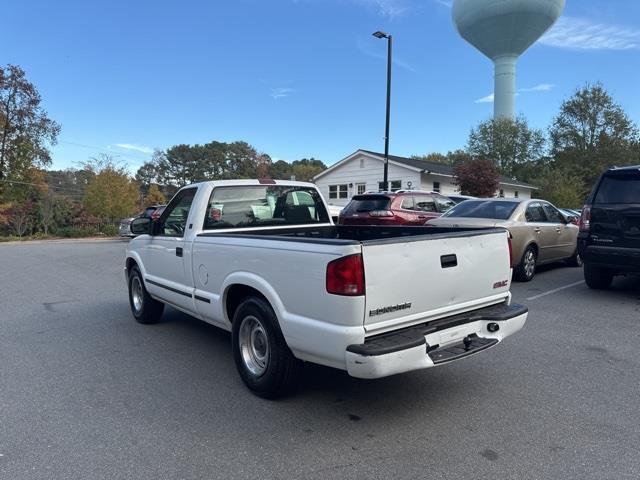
(537, 230)
(178, 251)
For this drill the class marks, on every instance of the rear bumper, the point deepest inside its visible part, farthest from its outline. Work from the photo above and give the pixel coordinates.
(614, 258)
(434, 343)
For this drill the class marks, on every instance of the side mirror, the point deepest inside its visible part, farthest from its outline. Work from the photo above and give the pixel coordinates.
(140, 226)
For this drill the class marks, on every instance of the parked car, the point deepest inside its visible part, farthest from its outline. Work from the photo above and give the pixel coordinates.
(153, 211)
(540, 233)
(293, 287)
(609, 240)
(460, 198)
(400, 208)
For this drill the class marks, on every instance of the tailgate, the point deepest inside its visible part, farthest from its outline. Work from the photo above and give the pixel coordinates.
(434, 276)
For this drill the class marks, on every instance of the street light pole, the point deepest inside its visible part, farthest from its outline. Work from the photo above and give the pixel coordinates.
(379, 34)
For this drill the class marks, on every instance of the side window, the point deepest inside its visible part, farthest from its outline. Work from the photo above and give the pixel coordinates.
(535, 213)
(425, 204)
(407, 203)
(173, 221)
(553, 215)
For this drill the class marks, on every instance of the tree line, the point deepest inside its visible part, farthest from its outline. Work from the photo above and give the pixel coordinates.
(590, 132)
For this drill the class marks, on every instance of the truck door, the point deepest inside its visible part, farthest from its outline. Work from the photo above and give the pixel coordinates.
(168, 276)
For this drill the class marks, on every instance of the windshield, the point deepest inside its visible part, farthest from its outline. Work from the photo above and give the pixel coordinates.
(483, 209)
(619, 188)
(257, 206)
(365, 204)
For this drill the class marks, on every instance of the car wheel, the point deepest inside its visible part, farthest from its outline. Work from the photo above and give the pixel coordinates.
(597, 278)
(262, 357)
(526, 269)
(144, 308)
(575, 260)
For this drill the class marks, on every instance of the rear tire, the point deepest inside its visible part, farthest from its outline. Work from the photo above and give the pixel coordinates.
(597, 278)
(526, 269)
(575, 261)
(262, 357)
(144, 308)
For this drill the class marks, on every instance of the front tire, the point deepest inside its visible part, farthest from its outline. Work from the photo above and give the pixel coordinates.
(597, 278)
(144, 308)
(262, 357)
(526, 269)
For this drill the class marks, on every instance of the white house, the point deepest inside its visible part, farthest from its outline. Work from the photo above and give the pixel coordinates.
(363, 171)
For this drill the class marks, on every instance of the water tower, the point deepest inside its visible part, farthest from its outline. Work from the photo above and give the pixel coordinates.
(503, 30)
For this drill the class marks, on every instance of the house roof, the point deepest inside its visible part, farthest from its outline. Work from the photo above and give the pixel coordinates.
(423, 166)
(442, 168)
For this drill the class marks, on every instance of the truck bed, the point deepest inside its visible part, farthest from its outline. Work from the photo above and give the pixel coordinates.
(356, 234)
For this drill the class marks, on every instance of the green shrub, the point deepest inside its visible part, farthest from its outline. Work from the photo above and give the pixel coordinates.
(109, 230)
(68, 232)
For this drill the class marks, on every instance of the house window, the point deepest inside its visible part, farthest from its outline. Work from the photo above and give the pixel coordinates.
(362, 163)
(516, 194)
(338, 191)
(436, 187)
(393, 185)
(501, 195)
(361, 188)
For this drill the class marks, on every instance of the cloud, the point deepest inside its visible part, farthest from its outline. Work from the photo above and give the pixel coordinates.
(136, 148)
(487, 99)
(582, 34)
(543, 87)
(367, 47)
(386, 8)
(282, 92)
(445, 3)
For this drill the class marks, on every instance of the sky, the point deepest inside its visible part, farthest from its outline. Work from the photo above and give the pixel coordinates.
(294, 78)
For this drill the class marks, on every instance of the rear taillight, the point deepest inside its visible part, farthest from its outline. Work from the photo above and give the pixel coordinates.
(345, 276)
(510, 251)
(585, 218)
(381, 213)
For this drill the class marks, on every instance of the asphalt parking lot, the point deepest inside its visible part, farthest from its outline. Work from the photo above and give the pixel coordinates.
(87, 393)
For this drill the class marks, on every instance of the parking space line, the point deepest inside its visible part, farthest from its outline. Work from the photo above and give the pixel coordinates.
(555, 290)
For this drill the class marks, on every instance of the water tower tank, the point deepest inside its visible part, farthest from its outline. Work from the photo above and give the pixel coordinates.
(503, 30)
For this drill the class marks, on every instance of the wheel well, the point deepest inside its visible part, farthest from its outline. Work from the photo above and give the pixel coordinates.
(130, 263)
(236, 294)
(535, 247)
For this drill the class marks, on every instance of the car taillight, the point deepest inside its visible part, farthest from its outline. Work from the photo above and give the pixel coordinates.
(510, 241)
(585, 218)
(345, 276)
(381, 213)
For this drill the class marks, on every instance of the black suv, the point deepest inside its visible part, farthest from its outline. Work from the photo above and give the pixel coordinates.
(609, 239)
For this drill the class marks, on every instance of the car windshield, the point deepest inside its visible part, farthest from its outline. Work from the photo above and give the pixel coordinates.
(483, 209)
(256, 206)
(370, 203)
(620, 188)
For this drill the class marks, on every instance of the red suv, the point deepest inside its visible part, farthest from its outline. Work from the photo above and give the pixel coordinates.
(401, 208)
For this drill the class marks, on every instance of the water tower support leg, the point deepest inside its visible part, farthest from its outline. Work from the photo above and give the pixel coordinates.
(505, 87)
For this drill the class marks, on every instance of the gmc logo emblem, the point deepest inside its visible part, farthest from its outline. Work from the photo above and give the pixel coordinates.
(502, 284)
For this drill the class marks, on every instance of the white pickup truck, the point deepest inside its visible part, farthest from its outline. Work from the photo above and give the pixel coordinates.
(263, 260)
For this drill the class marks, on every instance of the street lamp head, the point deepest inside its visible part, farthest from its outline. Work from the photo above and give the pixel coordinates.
(380, 34)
